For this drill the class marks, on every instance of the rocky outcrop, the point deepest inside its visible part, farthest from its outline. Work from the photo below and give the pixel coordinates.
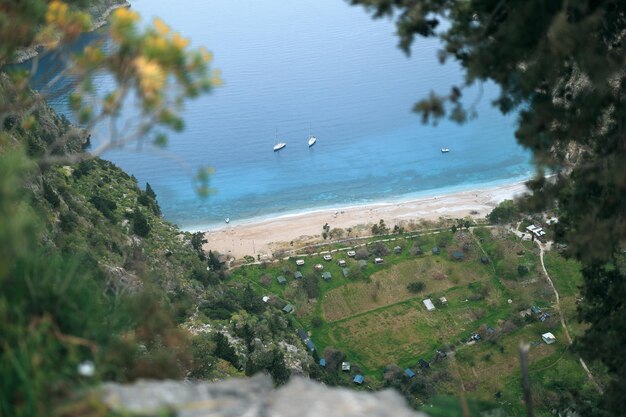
(252, 397)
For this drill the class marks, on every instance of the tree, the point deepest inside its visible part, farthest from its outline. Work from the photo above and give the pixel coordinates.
(380, 228)
(277, 368)
(149, 62)
(505, 212)
(560, 66)
(224, 350)
(310, 284)
(58, 308)
(197, 240)
(140, 224)
(251, 302)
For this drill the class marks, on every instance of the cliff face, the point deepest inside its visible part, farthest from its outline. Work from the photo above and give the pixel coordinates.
(253, 397)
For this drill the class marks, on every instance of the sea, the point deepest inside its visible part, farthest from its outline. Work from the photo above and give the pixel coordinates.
(322, 67)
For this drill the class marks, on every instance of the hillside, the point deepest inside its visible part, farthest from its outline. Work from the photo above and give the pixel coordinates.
(90, 268)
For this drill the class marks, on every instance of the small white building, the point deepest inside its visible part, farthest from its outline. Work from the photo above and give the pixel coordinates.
(536, 230)
(328, 257)
(345, 366)
(378, 260)
(443, 300)
(265, 298)
(429, 304)
(351, 253)
(300, 262)
(548, 338)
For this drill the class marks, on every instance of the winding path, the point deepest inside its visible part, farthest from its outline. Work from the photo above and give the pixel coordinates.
(542, 250)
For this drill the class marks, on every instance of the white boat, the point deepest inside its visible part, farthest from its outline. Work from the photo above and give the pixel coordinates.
(227, 220)
(279, 145)
(445, 150)
(312, 139)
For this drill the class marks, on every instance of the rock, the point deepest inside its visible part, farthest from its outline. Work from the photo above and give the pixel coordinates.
(251, 397)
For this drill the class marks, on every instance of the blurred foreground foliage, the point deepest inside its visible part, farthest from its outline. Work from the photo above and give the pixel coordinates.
(560, 66)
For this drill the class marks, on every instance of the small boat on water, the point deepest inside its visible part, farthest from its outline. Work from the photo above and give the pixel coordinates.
(227, 220)
(445, 150)
(279, 145)
(312, 139)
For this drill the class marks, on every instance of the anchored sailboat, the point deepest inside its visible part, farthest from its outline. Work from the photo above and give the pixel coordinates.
(312, 139)
(279, 145)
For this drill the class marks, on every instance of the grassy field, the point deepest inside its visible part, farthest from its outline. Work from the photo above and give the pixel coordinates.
(373, 318)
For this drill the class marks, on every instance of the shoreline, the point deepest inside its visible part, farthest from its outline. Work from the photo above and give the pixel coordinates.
(28, 53)
(264, 236)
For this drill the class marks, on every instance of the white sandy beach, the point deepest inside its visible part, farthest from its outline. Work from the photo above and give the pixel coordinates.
(265, 236)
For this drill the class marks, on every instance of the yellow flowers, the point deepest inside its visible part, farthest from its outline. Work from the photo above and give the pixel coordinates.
(179, 42)
(151, 76)
(161, 27)
(123, 23)
(205, 54)
(59, 18)
(57, 12)
(125, 16)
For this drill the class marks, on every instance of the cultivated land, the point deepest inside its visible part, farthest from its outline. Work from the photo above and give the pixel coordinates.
(488, 276)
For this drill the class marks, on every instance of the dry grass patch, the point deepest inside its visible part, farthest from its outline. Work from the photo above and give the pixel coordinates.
(488, 370)
(390, 286)
(400, 333)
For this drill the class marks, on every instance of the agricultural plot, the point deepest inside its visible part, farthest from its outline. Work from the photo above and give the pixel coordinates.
(389, 286)
(489, 280)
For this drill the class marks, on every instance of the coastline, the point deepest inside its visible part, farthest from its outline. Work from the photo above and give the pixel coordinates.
(99, 20)
(264, 236)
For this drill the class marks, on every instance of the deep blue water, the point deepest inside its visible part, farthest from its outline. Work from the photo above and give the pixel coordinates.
(287, 64)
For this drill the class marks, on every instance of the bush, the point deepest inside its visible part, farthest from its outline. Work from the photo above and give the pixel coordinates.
(140, 224)
(362, 253)
(416, 250)
(310, 285)
(522, 270)
(104, 206)
(379, 249)
(317, 322)
(50, 195)
(506, 212)
(380, 228)
(416, 287)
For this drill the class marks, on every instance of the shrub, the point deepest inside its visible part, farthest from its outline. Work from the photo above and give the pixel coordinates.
(416, 250)
(310, 285)
(380, 228)
(506, 212)
(140, 224)
(50, 195)
(379, 249)
(104, 206)
(362, 253)
(416, 287)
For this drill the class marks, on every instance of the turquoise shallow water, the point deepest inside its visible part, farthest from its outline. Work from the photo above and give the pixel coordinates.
(288, 64)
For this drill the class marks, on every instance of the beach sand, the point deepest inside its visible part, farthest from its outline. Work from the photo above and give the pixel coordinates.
(267, 236)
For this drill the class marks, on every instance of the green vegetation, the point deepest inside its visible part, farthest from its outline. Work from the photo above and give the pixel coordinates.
(373, 320)
(506, 212)
(89, 272)
(559, 66)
